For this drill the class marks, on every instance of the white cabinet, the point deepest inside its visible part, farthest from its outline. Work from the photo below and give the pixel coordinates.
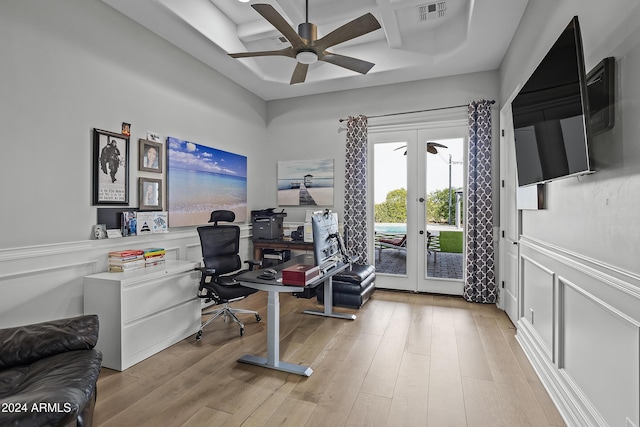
(143, 311)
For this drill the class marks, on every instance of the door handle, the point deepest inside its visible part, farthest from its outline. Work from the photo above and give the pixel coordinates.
(421, 231)
(421, 199)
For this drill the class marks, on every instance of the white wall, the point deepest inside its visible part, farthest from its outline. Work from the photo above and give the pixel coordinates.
(606, 202)
(579, 270)
(73, 65)
(308, 127)
(70, 66)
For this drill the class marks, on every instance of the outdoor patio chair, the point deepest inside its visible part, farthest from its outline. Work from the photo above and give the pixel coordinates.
(401, 243)
(433, 246)
(392, 243)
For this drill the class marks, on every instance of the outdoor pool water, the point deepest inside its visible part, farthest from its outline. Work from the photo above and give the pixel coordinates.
(390, 228)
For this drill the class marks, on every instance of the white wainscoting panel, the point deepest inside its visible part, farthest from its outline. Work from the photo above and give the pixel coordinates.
(538, 300)
(193, 252)
(42, 294)
(595, 334)
(592, 368)
(45, 282)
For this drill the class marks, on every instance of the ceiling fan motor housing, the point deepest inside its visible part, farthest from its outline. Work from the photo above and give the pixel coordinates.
(308, 31)
(306, 48)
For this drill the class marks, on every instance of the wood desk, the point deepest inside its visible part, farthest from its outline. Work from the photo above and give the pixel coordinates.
(258, 245)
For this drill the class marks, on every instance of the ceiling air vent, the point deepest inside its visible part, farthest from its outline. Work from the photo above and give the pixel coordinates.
(280, 41)
(427, 12)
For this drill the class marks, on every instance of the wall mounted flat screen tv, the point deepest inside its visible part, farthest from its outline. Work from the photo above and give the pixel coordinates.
(549, 115)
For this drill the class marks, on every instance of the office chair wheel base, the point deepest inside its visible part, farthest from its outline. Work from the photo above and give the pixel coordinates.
(241, 332)
(258, 318)
(199, 336)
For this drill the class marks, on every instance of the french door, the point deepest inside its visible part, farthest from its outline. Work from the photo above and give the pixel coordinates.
(418, 204)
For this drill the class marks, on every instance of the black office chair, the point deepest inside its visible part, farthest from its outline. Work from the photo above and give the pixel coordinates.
(220, 247)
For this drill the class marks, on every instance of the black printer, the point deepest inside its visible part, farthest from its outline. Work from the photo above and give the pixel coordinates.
(267, 224)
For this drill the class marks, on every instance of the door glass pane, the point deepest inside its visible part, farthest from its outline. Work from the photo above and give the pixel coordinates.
(444, 208)
(390, 210)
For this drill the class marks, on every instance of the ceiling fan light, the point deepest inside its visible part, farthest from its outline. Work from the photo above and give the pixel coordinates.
(306, 57)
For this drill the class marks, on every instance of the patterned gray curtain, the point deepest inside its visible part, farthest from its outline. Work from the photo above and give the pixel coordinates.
(355, 189)
(480, 283)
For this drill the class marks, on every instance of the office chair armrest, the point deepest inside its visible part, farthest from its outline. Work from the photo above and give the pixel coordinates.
(206, 271)
(253, 263)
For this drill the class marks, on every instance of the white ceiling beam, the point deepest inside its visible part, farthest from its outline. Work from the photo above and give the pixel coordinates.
(390, 23)
(256, 30)
(293, 10)
(208, 20)
(260, 28)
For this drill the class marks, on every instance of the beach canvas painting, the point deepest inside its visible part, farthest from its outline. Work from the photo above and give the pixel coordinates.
(305, 182)
(202, 179)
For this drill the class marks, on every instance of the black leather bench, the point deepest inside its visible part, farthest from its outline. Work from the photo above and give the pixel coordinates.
(351, 288)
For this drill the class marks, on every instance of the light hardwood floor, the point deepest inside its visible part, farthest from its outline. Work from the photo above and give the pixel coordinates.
(408, 360)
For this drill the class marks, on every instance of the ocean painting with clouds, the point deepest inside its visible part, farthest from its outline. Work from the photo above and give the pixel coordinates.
(202, 179)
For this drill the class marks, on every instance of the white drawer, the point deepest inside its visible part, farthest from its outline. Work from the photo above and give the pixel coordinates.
(146, 337)
(149, 297)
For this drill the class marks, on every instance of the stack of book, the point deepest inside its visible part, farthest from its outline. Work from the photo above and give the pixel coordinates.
(126, 260)
(154, 256)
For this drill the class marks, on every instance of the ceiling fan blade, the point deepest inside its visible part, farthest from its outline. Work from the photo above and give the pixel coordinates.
(348, 62)
(404, 147)
(356, 28)
(431, 147)
(270, 14)
(283, 52)
(299, 73)
(435, 144)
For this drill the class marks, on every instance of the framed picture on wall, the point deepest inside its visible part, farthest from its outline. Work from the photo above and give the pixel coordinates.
(150, 194)
(150, 155)
(305, 182)
(201, 179)
(110, 168)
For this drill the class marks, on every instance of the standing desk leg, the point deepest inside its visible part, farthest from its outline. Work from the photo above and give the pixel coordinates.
(273, 329)
(328, 304)
(272, 360)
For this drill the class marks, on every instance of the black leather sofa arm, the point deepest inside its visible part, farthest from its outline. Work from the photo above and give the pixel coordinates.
(48, 373)
(24, 345)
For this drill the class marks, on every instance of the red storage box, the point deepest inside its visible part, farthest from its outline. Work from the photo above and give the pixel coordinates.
(299, 274)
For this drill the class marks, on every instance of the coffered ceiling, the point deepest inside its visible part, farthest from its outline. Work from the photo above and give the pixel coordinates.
(419, 39)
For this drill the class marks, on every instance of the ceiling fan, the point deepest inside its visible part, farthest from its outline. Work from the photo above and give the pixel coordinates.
(432, 147)
(306, 48)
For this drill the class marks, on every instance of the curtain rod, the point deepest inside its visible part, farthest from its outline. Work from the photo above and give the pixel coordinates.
(417, 111)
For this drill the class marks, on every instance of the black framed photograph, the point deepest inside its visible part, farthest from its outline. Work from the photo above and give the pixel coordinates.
(150, 156)
(150, 194)
(110, 168)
